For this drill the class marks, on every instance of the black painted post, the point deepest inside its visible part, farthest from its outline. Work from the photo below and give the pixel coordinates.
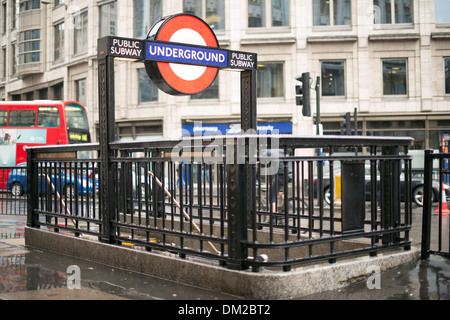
(241, 177)
(249, 125)
(248, 100)
(33, 189)
(237, 210)
(106, 135)
(426, 217)
(353, 196)
(390, 195)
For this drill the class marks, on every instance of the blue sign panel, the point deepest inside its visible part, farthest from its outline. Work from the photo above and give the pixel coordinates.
(178, 53)
(235, 128)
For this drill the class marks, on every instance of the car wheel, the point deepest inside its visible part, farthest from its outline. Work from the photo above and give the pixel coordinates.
(327, 195)
(418, 194)
(16, 189)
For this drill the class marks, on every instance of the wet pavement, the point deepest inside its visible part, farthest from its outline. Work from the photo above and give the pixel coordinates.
(421, 280)
(27, 274)
(30, 274)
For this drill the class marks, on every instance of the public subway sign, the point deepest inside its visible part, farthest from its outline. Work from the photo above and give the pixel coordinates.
(242, 60)
(181, 54)
(124, 48)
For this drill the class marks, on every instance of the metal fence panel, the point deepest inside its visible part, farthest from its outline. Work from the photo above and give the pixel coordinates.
(436, 223)
(226, 199)
(13, 192)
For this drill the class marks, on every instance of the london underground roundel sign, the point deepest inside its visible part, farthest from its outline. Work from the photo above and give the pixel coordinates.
(197, 63)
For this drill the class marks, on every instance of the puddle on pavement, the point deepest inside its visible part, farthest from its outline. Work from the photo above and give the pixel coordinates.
(12, 227)
(37, 270)
(421, 280)
(26, 269)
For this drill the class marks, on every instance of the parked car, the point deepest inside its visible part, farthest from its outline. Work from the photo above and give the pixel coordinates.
(17, 180)
(63, 181)
(417, 187)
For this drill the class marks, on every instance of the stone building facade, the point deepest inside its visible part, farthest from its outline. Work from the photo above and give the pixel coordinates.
(387, 59)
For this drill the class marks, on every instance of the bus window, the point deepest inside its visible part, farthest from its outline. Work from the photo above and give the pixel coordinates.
(77, 124)
(22, 118)
(3, 118)
(48, 117)
(76, 117)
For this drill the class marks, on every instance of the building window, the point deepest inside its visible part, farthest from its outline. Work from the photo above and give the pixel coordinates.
(393, 11)
(14, 7)
(276, 10)
(333, 78)
(80, 33)
(28, 96)
(30, 46)
(394, 77)
(402, 128)
(13, 58)
(212, 11)
(29, 5)
(332, 12)
(59, 41)
(5, 17)
(146, 14)
(4, 63)
(43, 94)
(59, 2)
(212, 92)
(141, 130)
(447, 75)
(80, 87)
(442, 11)
(148, 92)
(409, 127)
(108, 19)
(58, 91)
(270, 81)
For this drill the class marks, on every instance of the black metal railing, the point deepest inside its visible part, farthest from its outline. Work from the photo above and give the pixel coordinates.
(13, 198)
(231, 199)
(63, 189)
(435, 223)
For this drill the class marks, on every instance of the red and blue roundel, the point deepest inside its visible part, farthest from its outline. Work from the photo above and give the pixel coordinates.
(176, 78)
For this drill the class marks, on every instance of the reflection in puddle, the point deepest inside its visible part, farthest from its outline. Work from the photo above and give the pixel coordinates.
(13, 273)
(12, 235)
(12, 227)
(434, 276)
(16, 275)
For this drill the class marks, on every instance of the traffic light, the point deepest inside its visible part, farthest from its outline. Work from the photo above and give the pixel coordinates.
(303, 94)
(346, 124)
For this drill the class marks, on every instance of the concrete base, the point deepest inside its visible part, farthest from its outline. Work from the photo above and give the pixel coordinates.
(262, 285)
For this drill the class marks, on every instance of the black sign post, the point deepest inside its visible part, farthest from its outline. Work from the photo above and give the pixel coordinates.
(106, 135)
(241, 177)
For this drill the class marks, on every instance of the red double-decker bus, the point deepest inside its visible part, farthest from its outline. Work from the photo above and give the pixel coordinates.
(36, 123)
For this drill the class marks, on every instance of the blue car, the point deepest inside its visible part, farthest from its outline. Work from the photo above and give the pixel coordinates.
(64, 182)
